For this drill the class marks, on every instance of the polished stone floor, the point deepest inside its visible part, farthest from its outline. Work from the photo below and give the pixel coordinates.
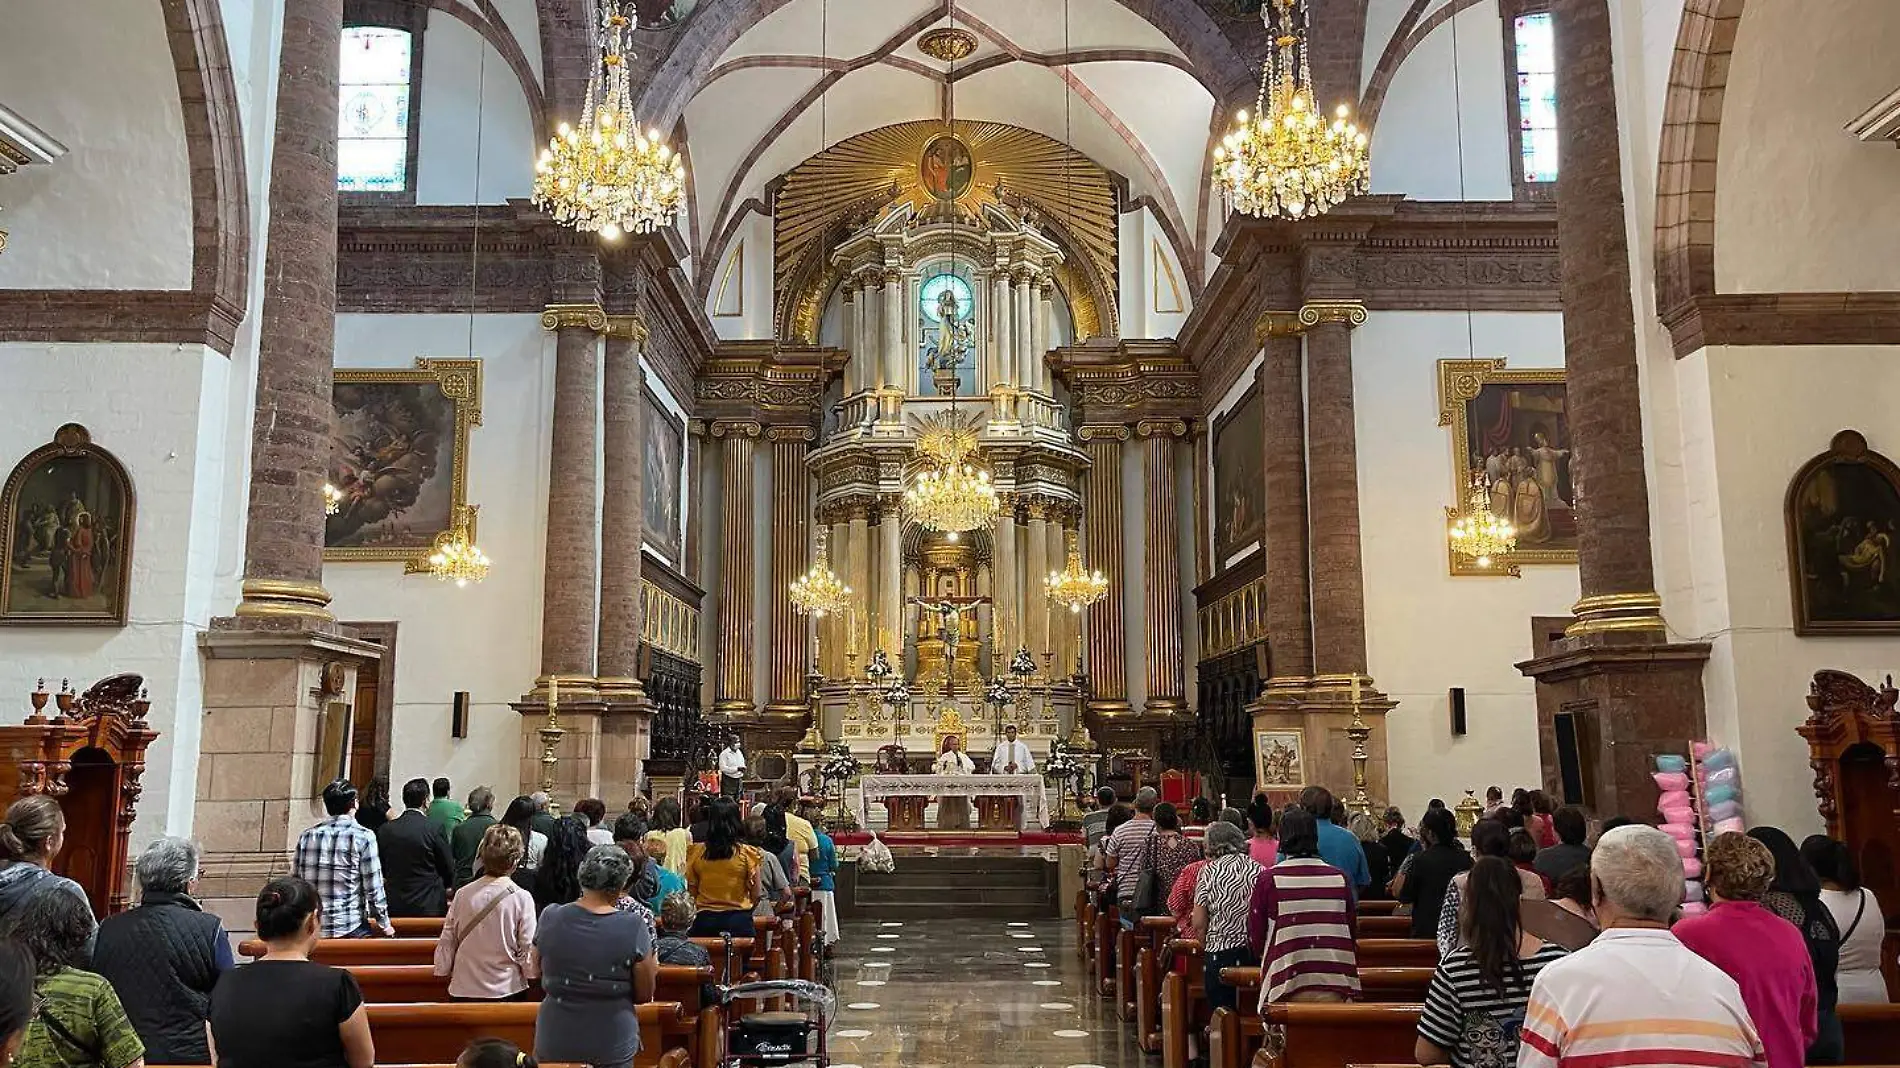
(936, 993)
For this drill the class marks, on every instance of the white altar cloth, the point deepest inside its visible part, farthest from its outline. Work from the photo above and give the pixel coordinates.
(1030, 788)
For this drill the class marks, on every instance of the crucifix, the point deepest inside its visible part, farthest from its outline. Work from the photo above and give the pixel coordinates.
(949, 612)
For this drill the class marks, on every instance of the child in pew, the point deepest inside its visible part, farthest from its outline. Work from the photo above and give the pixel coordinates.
(677, 947)
(494, 1053)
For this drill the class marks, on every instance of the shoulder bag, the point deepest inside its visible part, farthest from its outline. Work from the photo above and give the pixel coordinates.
(493, 904)
(1151, 898)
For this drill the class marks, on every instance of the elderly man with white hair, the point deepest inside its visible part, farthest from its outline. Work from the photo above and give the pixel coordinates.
(164, 956)
(1636, 996)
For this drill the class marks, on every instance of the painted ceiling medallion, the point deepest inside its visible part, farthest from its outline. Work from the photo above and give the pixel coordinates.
(947, 44)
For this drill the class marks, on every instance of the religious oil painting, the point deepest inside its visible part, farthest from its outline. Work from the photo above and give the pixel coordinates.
(946, 167)
(1843, 515)
(1510, 433)
(1239, 486)
(663, 453)
(399, 456)
(68, 537)
(1279, 759)
(661, 14)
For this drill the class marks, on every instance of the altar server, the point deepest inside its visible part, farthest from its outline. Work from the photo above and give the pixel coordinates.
(1012, 757)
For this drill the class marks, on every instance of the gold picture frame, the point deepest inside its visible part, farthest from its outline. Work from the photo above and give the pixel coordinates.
(1462, 391)
(459, 382)
(1279, 759)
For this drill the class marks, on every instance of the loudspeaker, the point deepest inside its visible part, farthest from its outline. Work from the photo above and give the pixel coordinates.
(458, 717)
(1457, 711)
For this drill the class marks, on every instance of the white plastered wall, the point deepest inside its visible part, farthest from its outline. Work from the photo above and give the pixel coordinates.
(485, 638)
(739, 301)
(1430, 119)
(471, 105)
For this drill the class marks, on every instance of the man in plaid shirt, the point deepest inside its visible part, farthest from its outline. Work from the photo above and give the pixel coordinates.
(338, 857)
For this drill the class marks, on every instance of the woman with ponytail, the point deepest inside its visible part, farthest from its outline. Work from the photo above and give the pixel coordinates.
(1475, 1003)
(33, 834)
(285, 1010)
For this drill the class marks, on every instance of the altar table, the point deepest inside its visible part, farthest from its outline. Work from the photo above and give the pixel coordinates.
(1028, 789)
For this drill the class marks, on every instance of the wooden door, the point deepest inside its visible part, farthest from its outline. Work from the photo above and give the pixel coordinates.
(91, 807)
(363, 723)
(1867, 803)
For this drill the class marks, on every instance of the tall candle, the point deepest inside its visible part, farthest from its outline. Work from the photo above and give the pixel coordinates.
(1355, 691)
(554, 692)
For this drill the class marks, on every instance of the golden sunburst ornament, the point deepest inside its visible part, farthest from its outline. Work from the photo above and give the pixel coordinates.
(947, 44)
(951, 494)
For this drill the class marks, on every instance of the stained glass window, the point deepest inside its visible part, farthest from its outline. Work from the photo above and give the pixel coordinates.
(1536, 96)
(947, 332)
(372, 150)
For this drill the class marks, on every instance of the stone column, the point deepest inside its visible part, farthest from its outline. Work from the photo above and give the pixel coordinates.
(1339, 583)
(695, 479)
(570, 588)
(852, 336)
(893, 355)
(890, 579)
(1024, 335)
(621, 516)
(1102, 507)
(1161, 566)
(858, 575)
(790, 634)
(1635, 692)
(734, 698)
(1008, 582)
(1041, 333)
(290, 436)
(1001, 300)
(1283, 466)
(1035, 606)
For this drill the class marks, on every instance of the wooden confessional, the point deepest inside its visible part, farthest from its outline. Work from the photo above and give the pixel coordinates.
(1854, 749)
(90, 755)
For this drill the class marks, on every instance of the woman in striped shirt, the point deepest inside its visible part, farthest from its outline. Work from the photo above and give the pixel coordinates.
(1474, 1007)
(1222, 896)
(1301, 921)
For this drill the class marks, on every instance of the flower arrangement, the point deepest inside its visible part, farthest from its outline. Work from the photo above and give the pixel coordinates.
(997, 693)
(1065, 764)
(1023, 663)
(839, 765)
(898, 695)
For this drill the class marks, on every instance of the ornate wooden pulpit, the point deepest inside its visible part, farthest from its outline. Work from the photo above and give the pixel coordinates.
(90, 755)
(1854, 749)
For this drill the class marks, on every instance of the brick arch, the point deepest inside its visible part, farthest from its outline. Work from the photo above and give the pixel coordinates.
(1686, 163)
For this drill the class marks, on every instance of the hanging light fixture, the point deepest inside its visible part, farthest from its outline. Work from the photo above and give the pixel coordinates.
(332, 499)
(606, 176)
(456, 558)
(1286, 159)
(1477, 532)
(950, 494)
(1074, 587)
(820, 592)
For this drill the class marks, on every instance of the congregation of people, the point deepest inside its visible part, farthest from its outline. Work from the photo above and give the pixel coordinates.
(584, 908)
(1553, 948)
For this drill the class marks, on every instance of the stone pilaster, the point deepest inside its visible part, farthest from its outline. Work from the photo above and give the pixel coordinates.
(1339, 582)
(854, 338)
(1023, 333)
(857, 574)
(1161, 566)
(892, 358)
(1008, 583)
(734, 694)
(1036, 606)
(1005, 328)
(290, 434)
(621, 514)
(790, 633)
(1615, 672)
(1107, 631)
(570, 590)
(1044, 294)
(1286, 539)
(695, 478)
(888, 633)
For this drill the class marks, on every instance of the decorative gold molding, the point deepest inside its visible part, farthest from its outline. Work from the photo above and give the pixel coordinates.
(1174, 428)
(735, 428)
(1273, 324)
(1611, 613)
(461, 382)
(630, 327)
(285, 599)
(790, 433)
(668, 623)
(1350, 312)
(1460, 382)
(947, 43)
(561, 316)
(1104, 432)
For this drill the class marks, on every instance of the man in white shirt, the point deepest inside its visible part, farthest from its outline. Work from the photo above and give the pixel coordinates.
(1012, 757)
(731, 767)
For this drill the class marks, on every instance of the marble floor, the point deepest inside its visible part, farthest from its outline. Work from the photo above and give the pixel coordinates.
(937, 993)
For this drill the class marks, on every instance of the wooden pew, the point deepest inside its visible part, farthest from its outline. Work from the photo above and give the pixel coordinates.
(1371, 926)
(1378, 908)
(1126, 942)
(1376, 985)
(434, 1033)
(417, 926)
(1398, 953)
(350, 952)
(1182, 1006)
(741, 966)
(1102, 959)
(1872, 1032)
(1318, 1034)
(1151, 955)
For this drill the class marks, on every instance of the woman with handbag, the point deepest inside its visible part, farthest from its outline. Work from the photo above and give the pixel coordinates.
(1858, 916)
(488, 936)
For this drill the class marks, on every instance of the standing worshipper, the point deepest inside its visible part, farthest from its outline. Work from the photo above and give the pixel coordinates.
(1173, 849)
(1474, 1007)
(80, 1021)
(444, 811)
(1012, 757)
(339, 858)
(1095, 822)
(798, 829)
(33, 834)
(1301, 921)
(669, 824)
(1378, 861)
(284, 1001)
(1636, 996)
(596, 964)
(594, 811)
(1555, 861)
(731, 768)
(1222, 903)
(1539, 821)
(417, 867)
(1764, 954)
(1264, 846)
(18, 1004)
(543, 818)
(824, 872)
(651, 883)
(1857, 915)
(372, 810)
(1337, 846)
(1398, 845)
(520, 816)
(466, 840)
(1795, 896)
(164, 957)
(724, 874)
(1433, 867)
(1488, 839)
(556, 883)
(486, 939)
(1127, 853)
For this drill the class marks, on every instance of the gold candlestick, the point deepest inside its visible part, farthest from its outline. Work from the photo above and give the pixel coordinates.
(551, 734)
(1358, 732)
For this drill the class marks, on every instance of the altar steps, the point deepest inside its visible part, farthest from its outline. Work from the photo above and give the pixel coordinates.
(955, 887)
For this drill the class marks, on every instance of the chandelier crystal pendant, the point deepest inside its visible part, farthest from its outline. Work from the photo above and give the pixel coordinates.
(820, 592)
(606, 176)
(1286, 159)
(456, 558)
(1477, 532)
(332, 499)
(1074, 587)
(952, 494)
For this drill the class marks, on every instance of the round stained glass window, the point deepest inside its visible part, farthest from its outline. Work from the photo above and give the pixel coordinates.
(931, 296)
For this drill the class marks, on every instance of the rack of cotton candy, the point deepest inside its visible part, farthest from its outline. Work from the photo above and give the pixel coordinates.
(1681, 820)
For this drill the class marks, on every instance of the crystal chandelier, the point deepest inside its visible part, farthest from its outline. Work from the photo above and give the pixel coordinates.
(952, 495)
(819, 592)
(1479, 533)
(606, 175)
(1073, 587)
(456, 558)
(1286, 159)
(332, 499)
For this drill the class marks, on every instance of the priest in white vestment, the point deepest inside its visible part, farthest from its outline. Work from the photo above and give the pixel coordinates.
(1012, 757)
(953, 813)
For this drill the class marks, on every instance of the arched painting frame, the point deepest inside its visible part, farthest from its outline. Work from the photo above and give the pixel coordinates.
(1843, 519)
(69, 514)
